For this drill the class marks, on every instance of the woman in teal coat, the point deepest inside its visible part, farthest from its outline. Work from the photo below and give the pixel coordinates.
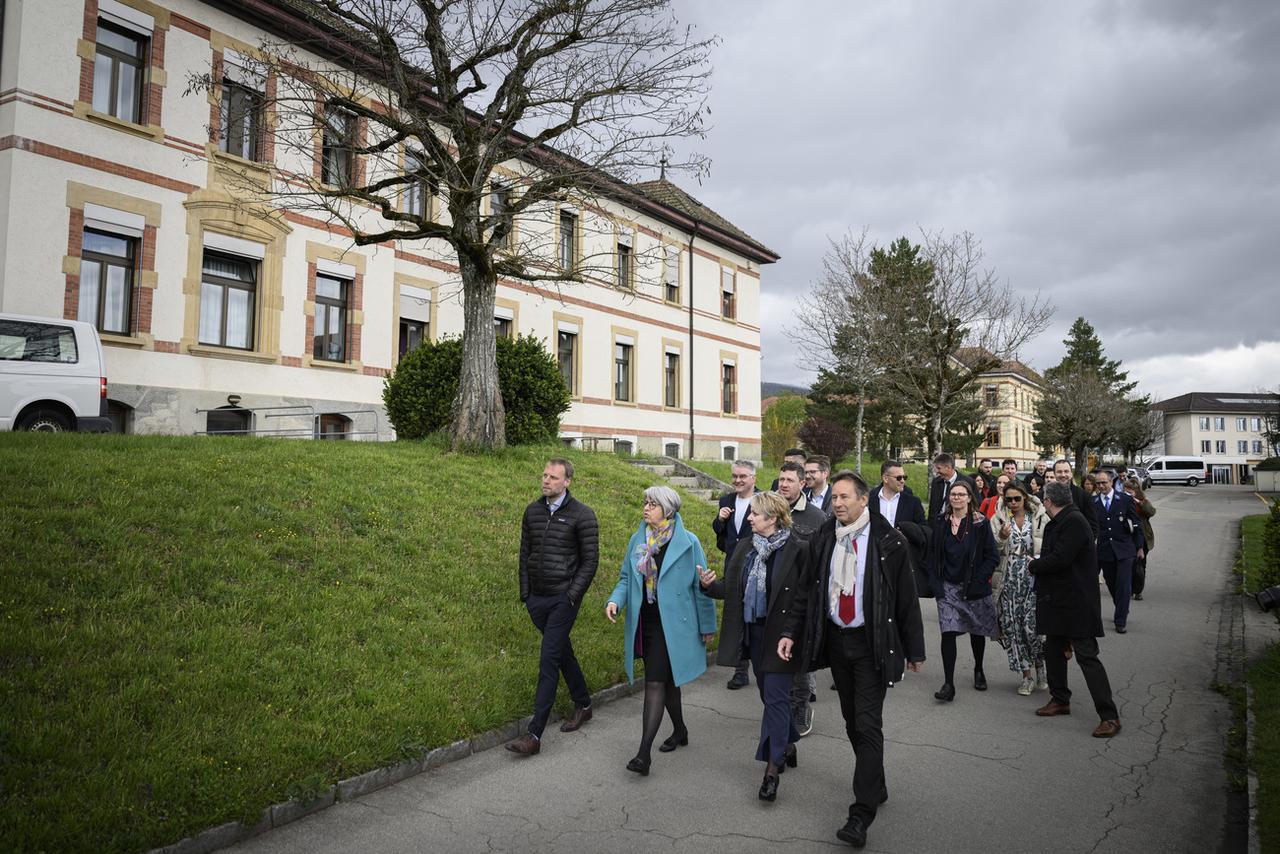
(659, 590)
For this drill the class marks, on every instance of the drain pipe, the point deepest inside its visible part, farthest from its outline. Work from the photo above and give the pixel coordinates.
(692, 237)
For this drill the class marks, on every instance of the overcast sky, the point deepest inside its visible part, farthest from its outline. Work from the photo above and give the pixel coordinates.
(1121, 157)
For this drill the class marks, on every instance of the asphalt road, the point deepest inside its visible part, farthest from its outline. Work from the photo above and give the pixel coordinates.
(980, 774)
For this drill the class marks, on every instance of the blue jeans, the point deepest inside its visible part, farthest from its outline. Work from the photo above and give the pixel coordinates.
(554, 617)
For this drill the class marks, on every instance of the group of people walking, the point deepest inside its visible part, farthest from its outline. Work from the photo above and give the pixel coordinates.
(823, 571)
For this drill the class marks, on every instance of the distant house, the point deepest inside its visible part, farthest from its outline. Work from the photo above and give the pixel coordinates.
(1009, 392)
(1223, 427)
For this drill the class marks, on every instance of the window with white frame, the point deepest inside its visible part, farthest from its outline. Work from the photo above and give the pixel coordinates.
(1206, 446)
(568, 240)
(1219, 424)
(337, 150)
(623, 376)
(1257, 446)
(504, 320)
(421, 188)
(625, 260)
(1240, 425)
(1255, 425)
(500, 210)
(415, 318)
(671, 377)
(1242, 446)
(567, 354)
(1204, 422)
(729, 388)
(1220, 446)
(242, 108)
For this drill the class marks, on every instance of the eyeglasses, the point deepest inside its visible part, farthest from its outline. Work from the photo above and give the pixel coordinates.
(650, 503)
(1013, 498)
(898, 477)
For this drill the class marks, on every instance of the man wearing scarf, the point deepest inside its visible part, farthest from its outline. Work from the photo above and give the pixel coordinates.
(856, 609)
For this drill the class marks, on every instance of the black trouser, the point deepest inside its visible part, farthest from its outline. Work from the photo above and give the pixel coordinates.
(1095, 675)
(554, 617)
(1139, 574)
(861, 688)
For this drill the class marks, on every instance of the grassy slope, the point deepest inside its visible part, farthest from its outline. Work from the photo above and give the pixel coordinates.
(916, 474)
(1251, 529)
(1265, 760)
(196, 628)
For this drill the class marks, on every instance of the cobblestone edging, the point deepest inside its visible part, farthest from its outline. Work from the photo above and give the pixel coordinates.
(278, 815)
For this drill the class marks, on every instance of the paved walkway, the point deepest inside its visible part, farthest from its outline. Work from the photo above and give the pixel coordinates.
(980, 774)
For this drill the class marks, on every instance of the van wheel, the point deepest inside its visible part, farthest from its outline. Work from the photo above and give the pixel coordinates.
(1193, 481)
(44, 421)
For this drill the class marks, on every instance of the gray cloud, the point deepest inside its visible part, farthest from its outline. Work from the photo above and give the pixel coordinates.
(1118, 156)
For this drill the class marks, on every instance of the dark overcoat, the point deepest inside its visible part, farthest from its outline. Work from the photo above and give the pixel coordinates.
(785, 567)
(1066, 576)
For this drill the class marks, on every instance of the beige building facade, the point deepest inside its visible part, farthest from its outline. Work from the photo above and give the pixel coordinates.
(1225, 428)
(119, 205)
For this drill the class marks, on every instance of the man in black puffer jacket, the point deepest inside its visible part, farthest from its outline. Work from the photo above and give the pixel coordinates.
(559, 550)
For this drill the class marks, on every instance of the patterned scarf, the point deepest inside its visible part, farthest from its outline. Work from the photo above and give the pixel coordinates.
(754, 604)
(654, 540)
(843, 580)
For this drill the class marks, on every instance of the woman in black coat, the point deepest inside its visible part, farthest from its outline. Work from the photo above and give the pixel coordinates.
(962, 556)
(758, 585)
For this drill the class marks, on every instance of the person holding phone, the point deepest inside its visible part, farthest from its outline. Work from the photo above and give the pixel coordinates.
(668, 619)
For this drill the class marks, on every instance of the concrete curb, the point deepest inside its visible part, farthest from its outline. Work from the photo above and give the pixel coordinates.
(1251, 727)
(278, 815)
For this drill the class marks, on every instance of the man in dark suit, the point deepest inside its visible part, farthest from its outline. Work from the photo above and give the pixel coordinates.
(1120, 542)
(817, 469)
(855, 610)
(1069, 609)
(899, 506)
(729, 526)
(806, 519)
(946, 475)
(559, 551)
(1062, 474)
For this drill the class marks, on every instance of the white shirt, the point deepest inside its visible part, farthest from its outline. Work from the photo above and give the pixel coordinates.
(740, 505)
(837, 555)
(889, 506)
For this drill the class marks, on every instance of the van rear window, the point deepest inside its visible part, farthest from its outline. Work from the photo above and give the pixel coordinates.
(23, 341)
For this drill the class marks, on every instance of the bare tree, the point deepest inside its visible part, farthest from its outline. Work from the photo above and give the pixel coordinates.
(946, 329)
(837, 321)
(1078, 412)
(460, 129)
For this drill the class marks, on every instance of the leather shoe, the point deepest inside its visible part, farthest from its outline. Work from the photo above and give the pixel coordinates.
(854, 832)
(1107, 729)
(946, 693)
(979, 680)
(739, 680)
(1052, 708)
(575, 721)
(769, 788)
(680, 739)
(640, 765)
(1120, 629)
(525, 745)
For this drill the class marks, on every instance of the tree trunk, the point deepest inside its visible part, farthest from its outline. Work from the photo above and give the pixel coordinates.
(1082, 462)
(857, 430)
(478, 418)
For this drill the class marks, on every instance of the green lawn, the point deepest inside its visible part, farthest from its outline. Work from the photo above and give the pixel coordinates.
(1264, 677)
(195, 628)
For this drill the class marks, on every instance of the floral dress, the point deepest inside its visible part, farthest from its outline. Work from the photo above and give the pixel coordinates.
(1017, 609)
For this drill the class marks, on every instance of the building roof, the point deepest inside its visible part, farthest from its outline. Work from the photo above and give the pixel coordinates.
(1227, 401)
(667, 193)
(324, 33)
(968, 355)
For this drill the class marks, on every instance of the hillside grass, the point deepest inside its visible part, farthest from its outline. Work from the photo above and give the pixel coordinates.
(196, 628)
(917, 474)
(1264, 678)
(1251, 558)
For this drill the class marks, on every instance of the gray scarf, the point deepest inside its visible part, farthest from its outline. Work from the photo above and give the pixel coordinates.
(843, 579)
(754, 601)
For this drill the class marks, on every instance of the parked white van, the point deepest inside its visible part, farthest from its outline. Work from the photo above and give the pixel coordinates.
(52, 376)
(1189, 470)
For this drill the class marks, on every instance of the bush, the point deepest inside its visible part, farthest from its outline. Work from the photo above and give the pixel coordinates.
(1270, 574)
(419, 394)
(823, 436)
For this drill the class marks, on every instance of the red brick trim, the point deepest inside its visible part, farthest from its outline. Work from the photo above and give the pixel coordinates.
(291, 361)
(628, 431)
(215, 104)
(196, 28)
(140, 300)
(309, 317)
(75, 245)
(370, 371)
(34, 146)
(168, 347)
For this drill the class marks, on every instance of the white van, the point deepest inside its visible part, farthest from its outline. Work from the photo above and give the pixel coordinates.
(1189, 470)
(51, 376)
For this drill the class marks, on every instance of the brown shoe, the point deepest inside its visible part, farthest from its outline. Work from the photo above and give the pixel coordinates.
(1053, 708)
(525, 745)
(575, 721)
(1107, 729)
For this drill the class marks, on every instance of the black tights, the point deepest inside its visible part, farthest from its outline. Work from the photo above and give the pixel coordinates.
(659, 696)
(977, 642)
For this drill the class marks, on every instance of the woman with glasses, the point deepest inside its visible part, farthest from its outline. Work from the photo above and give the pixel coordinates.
(962, 556)
(759, 580)
(669, 620)
(1019, 529)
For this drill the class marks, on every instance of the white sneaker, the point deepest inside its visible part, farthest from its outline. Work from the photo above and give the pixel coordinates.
(1025, 688)
(1042, 683)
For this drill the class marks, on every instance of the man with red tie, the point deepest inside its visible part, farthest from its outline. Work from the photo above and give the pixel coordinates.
(855, 610)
